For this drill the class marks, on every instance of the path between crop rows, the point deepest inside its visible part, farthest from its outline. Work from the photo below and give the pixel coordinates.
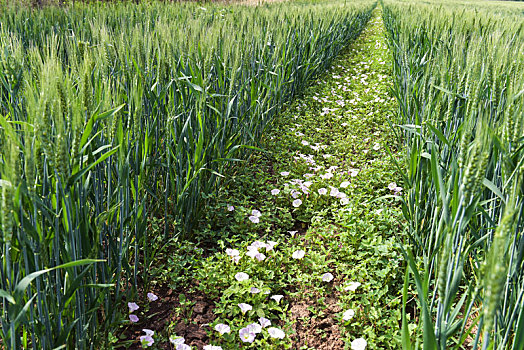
(313, 199)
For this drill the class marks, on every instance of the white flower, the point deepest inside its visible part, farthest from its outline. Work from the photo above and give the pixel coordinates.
(152, 297)
(297, 203)
(148, 332)
(354, 173)
(254, 219)
(327, 176)
(256, 213)
(257, 245)
(341, 195)
(305, 143)
(277, 298)
(334, 192)
(270, 245)
(241, 276)
(352, 286)
(212, 347)
(344, 201)
(255, 328)
(260, 257)
(276, 333)
(298, 254)
(245, 307)
(359, 344)
(376, 147)
(236, 259)
(222, 328)
(348, 315)
(275, 191)
(232, 252)
(230, 208)
(392, 186)
(146, 341)
(344, 184)
(285, 173)
(295, 194)
(176, 340)
(322, 191)
(327, 277)
(254, 290)
(183, 347)
(264, 322)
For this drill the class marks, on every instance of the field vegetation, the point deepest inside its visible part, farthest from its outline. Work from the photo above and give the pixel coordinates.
(302, 174)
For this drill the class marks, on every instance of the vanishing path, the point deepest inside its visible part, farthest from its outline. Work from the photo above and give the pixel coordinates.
(304, 239)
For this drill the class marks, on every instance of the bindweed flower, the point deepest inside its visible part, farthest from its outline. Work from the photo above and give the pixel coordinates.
(298, 254)
(275, 191)
(222, 328)
(260, 257)
(256, 213)
(152, 297)
(292, 233)
(392, 186)
(246, 335)
(264, 322)
(277, 298)
(285, 173)
(230, 208)
(254, 219)
(276, 333)
(254, 290)
(245, 307)
(344, 201)
(241, 276)
(175, 340)
(397, 190)
(257, 245)
(212, 347)
(295, 194)
(270, 245)
(359, 344)
(148, 332)
(132, 307)
(236, 259)
(327, 277)
(341, 195)
(327, 176)
(255, 328)
(344, 184)
(352, 286)
(334, 192)
(348, 315)
(305, 143)
(146, 341)
(183, 347)
(354, 173)
(297, 203)
(232, 252)
(252, 252)
(376, 146)
(322, 191)
(133, 318)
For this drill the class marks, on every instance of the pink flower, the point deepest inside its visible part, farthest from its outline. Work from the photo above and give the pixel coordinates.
(297, 203)
(133, 318)
(132, 307)
(152, 297)
(146, 341)
(241, 276)
(254, 219)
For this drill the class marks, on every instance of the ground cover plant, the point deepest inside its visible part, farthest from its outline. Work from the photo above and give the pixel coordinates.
(113, 113)
(306, 232)
(459, 83)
